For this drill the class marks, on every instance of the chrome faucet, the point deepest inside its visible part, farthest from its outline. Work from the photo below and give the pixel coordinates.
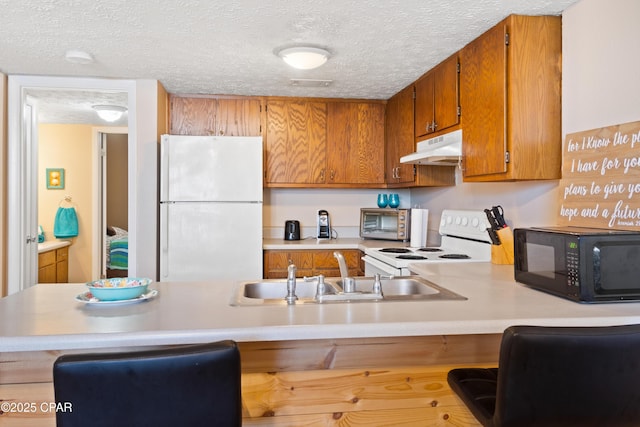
(321, 287)
(348, 283)
(291, 297)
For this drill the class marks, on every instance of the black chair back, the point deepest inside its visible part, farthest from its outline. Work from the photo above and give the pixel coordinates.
(558, 376)
(193, 385)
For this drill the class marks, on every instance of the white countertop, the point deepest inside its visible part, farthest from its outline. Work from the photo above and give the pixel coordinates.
(47, 317)
(50, 245)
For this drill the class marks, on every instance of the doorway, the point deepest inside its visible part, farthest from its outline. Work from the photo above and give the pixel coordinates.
(22, 153)
(114, 218)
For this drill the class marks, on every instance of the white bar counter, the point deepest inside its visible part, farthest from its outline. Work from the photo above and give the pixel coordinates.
(47, 316)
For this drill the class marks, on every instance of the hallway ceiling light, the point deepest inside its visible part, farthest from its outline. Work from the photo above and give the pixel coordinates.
(304, 57)
(109, 113)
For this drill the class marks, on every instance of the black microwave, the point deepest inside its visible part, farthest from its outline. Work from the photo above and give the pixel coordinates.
(582, 264)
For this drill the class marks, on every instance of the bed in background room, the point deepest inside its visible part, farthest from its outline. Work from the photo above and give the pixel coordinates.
(117, 248)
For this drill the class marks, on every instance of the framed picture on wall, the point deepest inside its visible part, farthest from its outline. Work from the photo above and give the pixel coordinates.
(55, 178)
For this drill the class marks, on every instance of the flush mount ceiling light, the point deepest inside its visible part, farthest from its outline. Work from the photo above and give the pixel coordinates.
(78, 57)
(109, 113)
(304, 57)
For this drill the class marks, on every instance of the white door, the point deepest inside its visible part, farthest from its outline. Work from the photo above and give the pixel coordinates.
(23, 227)
(210, 241)
(31, 192)
(201, 168)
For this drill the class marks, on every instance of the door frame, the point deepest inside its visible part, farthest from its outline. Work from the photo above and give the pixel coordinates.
(99, 197)
(18, 266)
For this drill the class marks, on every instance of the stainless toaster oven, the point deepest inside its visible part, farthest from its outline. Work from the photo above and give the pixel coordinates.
(385, 224)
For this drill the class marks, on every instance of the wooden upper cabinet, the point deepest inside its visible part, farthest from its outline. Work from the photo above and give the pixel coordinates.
(399, 136)
(206, 116)
(322, 143)
(400, 141)
(295, 145)
(510, 100)
(192, 116)
(355, 143)
(436, 99)
(238, 117)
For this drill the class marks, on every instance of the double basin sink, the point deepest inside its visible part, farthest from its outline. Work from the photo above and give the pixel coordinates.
(365, 289)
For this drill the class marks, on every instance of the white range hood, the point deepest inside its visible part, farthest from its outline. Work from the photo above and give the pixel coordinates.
(443, 150)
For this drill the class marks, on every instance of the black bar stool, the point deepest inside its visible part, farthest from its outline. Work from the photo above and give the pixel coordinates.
(192, 385)
(557, 376)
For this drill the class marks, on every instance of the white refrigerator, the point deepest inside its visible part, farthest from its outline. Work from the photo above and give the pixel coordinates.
(210, 208)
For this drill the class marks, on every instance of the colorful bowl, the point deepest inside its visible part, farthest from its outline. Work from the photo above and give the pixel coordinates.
(119, 288)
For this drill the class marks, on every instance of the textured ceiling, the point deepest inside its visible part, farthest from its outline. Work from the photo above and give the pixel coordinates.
(227, 46)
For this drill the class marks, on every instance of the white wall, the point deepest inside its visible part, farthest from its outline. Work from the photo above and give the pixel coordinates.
(600, 67)
(143, 184)
(600, 87)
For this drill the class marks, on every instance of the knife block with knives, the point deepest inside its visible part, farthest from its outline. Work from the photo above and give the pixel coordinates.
(503, 253)
(501, 236)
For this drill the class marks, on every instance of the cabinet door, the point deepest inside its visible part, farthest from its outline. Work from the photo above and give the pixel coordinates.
(238, 117)
(277, 261)
(62, 265)
(436, 104)
(425, 105)
(325, 263)
(296, 142)
(483, 97)
(355, 143)
(446, 95)
(47, 274)
(399, 138)
(47, 267)
(192, 116)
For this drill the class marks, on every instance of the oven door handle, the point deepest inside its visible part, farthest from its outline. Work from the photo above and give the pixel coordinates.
(379, 265)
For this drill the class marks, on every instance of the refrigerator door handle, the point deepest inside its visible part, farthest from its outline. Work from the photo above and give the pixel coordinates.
(164, 240)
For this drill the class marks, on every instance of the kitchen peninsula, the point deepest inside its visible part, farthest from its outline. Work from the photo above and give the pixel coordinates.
(361, 363)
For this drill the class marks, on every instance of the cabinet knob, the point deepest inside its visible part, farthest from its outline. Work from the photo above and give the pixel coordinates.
(332, 174)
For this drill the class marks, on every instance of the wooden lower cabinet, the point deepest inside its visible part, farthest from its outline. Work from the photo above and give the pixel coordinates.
(399, 381)
(311, 262)
(53, 266)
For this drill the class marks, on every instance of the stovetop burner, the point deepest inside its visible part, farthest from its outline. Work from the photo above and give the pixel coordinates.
(455, 256)
(396, 250)
(411, 257)
(430, 250)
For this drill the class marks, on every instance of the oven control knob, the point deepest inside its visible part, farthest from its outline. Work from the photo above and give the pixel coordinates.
(458, 220)
(465, 221)
(449, 220)
(475, 222)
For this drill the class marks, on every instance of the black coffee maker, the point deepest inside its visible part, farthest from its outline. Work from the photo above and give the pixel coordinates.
(292, 230)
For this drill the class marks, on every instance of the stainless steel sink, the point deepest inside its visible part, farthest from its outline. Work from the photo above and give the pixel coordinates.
(405, 288)
(277, 289)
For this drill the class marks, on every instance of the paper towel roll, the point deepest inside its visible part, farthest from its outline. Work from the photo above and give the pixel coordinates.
(419, 222)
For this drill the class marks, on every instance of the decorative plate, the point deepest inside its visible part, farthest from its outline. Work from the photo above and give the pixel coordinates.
(88, 298)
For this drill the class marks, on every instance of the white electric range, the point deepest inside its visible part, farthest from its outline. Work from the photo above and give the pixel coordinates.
(464, 238)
